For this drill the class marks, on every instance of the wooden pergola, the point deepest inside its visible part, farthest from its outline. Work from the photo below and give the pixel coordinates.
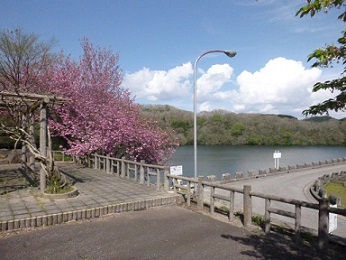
(26, 105)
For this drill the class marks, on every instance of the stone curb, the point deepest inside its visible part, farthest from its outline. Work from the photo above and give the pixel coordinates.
(317, 190)
(227, 178)
(59, 218)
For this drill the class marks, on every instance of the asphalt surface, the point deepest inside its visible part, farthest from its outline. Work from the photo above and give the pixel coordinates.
(293, 185)
(167, 232)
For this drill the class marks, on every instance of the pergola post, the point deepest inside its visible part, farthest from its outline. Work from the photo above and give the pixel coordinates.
(26, 120)
(32, 134)
(24, 123)
(43, 142)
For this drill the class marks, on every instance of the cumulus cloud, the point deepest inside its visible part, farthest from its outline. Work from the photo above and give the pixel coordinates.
(162, 85)
(211, 82)
(176, 84)
(282, 86)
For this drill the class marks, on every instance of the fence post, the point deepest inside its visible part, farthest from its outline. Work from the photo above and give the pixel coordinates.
(247, 206)
(118, 168)
(212, 206)
(122, 172)
(95, 161)
(267, 216)
(323, 224)
(188, 195)
(108, 164)
(128, 170)
(111, 165)
(298, 220)
(148, 175)
(231, 206)
(136, 172)
(141, 172)
(200, 192)
(174, 185)
(166, 179)
(158, 179)
(88, 162)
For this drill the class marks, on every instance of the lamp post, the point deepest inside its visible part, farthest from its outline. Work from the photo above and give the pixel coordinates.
(230, 54)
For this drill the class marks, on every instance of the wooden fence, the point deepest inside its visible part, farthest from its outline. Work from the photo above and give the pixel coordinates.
(142, 172)
(154, 175)
(322, 207)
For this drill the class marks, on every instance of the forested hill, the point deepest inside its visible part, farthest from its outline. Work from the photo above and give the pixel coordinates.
(225, 128)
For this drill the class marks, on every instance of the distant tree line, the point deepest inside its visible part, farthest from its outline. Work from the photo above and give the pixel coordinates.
(225, 128)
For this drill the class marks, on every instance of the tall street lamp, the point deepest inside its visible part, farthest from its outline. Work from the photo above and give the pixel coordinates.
(230, 54)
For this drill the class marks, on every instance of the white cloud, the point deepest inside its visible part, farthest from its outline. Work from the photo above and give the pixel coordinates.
(321, 95)
(212, 81)
(205, 106)
(282, 86)
(162, 85)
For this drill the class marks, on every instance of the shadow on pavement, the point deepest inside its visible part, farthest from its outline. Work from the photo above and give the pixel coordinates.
(16, 179)
(278, 246)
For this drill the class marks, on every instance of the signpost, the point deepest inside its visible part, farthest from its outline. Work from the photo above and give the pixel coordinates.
(276, 156)
(176, 170)
(333, 219)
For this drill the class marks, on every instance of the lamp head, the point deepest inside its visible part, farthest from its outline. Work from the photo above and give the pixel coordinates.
(230, 54)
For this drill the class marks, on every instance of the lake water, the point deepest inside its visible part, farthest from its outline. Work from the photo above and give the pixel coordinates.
(216, 160)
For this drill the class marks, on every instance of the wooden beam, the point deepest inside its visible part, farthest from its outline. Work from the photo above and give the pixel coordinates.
(8, 98)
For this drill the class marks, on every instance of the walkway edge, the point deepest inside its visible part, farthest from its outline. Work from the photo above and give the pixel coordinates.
(84, 214)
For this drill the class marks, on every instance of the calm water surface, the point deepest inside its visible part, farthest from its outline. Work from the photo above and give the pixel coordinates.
(216, 160)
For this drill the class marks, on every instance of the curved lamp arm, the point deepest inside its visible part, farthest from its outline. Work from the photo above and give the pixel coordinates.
(230, 54)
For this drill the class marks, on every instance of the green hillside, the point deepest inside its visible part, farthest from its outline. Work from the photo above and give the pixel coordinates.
(221, 127)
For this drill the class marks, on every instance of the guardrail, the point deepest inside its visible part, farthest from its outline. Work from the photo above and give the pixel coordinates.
(138, 171)
(322, 207)
(152, 174)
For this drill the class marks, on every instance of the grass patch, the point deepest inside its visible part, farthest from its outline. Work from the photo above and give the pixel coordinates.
(56, 185)
(54, 190)
(256, 219)
(59, 157)
(337, 189)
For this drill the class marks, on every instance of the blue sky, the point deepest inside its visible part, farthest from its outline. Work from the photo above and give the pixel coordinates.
(159, 40)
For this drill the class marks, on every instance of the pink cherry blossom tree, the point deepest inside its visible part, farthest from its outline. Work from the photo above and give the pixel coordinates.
(101, 117)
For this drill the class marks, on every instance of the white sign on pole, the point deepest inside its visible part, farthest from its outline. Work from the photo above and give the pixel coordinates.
(333, 219)
(176, 170)
(277, 155)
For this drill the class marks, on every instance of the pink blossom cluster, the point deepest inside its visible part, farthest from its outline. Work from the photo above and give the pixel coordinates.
(100, 116)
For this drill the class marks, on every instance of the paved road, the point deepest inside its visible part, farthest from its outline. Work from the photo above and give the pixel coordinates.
(158, 233)
(294, 185)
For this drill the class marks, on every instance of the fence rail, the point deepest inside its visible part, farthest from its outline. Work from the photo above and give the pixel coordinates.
(153, 175)
(142, 172)
(322, 207)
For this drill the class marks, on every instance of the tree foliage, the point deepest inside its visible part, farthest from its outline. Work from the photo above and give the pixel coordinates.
(101, 117)
(326, 56)
(226, 128)
(23, 59)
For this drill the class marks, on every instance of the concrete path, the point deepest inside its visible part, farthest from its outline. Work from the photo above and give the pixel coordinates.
(158, 233)
(293, 185)
(97, 190)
